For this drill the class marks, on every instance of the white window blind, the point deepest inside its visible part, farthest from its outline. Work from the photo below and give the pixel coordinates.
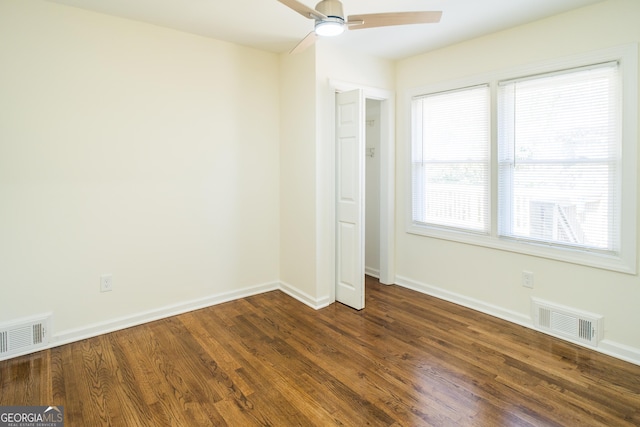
(559, 162)
(450, 159)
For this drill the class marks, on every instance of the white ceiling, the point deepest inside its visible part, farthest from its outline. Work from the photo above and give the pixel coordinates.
(269, 25)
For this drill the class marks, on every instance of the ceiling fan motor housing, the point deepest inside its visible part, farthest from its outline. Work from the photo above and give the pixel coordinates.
(331, 9)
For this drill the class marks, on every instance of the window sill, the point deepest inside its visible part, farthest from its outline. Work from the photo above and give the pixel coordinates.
(618, 263)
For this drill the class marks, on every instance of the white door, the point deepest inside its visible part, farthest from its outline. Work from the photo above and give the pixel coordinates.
(350, 198)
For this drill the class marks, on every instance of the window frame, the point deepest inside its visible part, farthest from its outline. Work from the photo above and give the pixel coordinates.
(626, 260)
(487, 199)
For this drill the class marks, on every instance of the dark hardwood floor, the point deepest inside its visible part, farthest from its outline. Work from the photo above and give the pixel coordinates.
(406, 360)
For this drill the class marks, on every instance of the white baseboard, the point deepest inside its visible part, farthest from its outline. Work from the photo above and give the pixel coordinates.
(95, 329)
(610, 348)
(465, 301)
(619, 351)
(124, 322)
(373, 272)
(303, 297)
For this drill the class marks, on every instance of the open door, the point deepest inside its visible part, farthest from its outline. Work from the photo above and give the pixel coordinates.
(350, 108)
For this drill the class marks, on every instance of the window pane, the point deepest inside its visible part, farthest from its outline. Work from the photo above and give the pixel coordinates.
(559, 158)
(450, 159)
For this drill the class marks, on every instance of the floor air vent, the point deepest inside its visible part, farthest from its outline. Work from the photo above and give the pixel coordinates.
(566, 322)
(24, 336)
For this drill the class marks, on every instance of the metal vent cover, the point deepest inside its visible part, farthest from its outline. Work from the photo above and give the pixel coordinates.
(567, 322)
(24, 336)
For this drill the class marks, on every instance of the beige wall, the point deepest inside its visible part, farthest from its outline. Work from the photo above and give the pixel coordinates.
(134, 150)
(489, 278)
(297, 174)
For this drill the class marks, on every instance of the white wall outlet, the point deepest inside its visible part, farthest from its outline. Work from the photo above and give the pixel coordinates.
(106, 283)
(527, 279)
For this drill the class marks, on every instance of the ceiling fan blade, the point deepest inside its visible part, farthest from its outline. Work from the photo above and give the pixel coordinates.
(304, 43)
(357, 22)
(303, 10)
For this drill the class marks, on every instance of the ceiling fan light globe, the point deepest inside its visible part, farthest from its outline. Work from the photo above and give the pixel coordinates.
(329, 28)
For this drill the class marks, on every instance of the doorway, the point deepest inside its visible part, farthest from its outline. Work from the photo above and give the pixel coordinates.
(376, 158)
(372, 188)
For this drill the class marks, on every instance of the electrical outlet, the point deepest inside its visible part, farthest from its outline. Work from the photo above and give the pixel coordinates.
(106, 283)
(527, 279)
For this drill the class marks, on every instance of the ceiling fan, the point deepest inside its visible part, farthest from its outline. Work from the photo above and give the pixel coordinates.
(330, 20)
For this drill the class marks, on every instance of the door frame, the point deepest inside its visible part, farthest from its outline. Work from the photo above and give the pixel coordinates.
(387, 174)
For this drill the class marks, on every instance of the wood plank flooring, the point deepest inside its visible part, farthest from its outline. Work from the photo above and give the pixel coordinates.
(407, 359)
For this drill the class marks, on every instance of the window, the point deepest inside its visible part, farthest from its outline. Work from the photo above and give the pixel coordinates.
(540, 161)
(559, 165)
(450, 159)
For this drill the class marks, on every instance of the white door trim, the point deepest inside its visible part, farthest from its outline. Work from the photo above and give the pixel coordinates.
(387, 173)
